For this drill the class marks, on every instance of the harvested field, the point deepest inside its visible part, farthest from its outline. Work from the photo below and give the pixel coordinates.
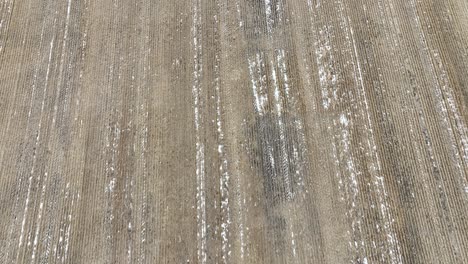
(242, 131)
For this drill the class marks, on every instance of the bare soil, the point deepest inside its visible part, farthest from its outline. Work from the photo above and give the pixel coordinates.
(242, 131)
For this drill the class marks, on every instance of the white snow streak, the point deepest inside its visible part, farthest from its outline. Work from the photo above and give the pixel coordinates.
(269, 16)
(39, 217)
(200, 148)
(258, 80)
(38, 134)
(62, 59)
(392, 240)
(223, 169)
(326, 71)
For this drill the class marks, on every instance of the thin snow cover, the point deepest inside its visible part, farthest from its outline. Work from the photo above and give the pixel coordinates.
(299, 150)
(62, 60)
(199, 146)
(326, 71)
(392, 240)
(324, 57)
(239, 15)
(258, 80)
(38, 135)
(352, 188)
(279, 99)
(455, 125)
(39, 217)
(223, 168)
(344, 120)
(68, 232)
(269, 16)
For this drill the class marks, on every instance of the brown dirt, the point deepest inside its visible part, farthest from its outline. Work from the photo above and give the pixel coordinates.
(255, 131)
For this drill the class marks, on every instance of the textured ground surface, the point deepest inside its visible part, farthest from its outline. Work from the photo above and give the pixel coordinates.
(240, 131)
